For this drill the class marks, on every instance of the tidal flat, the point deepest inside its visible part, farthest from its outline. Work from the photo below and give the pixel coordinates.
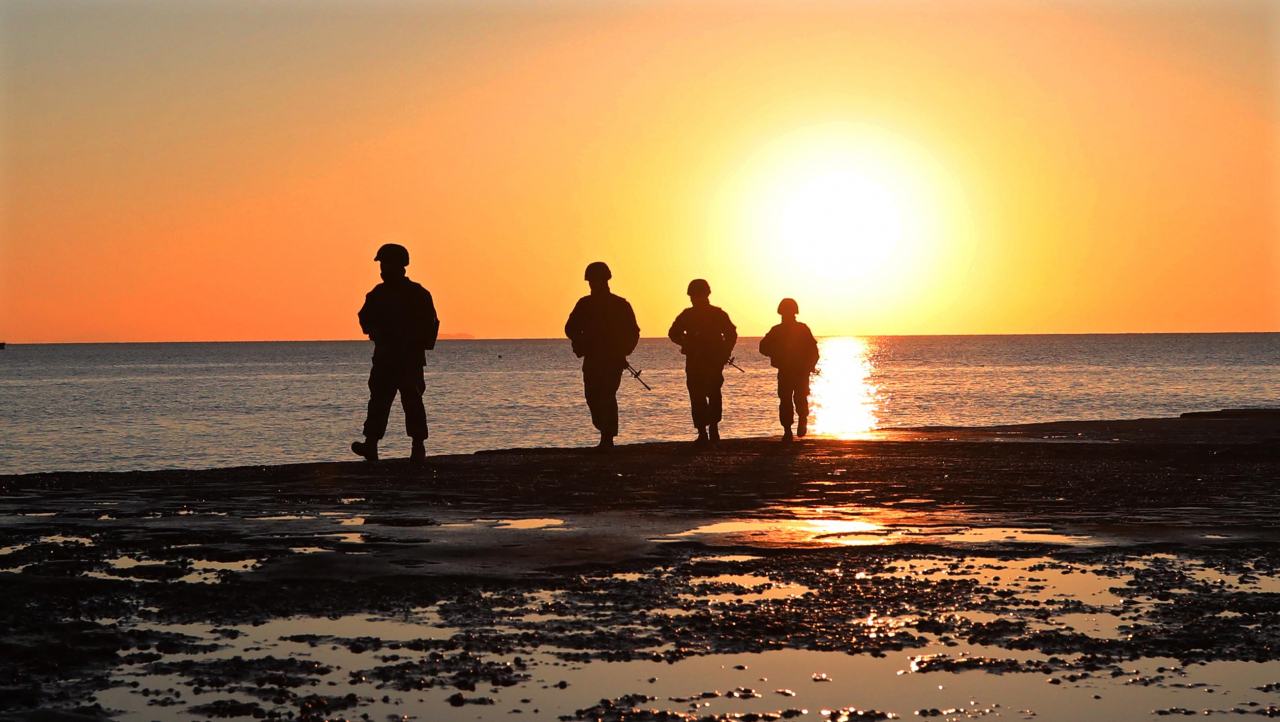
(1080, 570)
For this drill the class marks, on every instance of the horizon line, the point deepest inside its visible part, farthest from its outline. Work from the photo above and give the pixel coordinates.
(650, 338)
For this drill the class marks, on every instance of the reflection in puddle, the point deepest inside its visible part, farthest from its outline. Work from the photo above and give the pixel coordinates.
(782, 532)
(528, 523)
(855, 532)
(58, 539)
(1000, 535)
(843, 397)
(349, 538)
(281, 517)
(540, 640)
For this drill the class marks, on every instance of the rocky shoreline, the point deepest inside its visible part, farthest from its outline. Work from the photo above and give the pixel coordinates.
(393, 589)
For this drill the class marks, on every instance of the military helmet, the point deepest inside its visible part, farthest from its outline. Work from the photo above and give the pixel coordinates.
(393, 253)
(597, 271)
(788, 307)
(699, 287)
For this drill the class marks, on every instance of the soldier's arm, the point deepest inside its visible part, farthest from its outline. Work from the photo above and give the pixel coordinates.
(633, 330)
(766, 344)
(813, 346)
(730, 333)
(430, 321)
(573, 326)
(677, 331)
(366, 315)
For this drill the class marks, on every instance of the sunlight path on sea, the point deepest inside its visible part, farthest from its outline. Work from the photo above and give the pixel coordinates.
(844, 398)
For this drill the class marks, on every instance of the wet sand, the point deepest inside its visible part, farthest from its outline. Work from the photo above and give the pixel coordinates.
(1101, 569)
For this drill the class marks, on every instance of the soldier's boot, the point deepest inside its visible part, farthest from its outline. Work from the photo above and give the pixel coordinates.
(368, 449)
(713, 432)
(702, 439)
(786, 434)
(802, 427)
(606, 443)
(419, 453)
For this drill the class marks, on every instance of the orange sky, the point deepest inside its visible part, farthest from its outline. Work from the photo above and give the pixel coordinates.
(202, 170)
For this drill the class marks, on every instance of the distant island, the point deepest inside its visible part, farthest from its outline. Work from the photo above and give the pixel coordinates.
(456, 336)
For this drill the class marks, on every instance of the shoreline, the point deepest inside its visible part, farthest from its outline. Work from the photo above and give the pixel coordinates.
(1225, 426)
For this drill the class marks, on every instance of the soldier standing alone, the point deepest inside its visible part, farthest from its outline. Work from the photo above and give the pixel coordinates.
(400, 317)
(603, 330)
(792, 350)
(706, 337)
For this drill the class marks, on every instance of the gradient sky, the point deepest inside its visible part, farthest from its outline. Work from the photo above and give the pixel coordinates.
(225, 170)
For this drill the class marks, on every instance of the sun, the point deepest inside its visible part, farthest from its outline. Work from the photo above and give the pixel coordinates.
(842, 213)
(842, 224)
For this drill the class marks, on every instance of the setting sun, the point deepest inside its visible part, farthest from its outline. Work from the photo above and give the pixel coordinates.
(842, 225)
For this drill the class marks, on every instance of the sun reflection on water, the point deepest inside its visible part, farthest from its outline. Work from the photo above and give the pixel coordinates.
(843, 397)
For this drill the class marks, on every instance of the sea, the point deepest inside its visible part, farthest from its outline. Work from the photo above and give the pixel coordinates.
(146, 406)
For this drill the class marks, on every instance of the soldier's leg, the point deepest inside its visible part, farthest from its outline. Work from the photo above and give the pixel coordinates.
(382, 392)
(801, 391)
(697, 397)
(591, 390)
(715, 399)
(785, 412)
(600, 384)
(612, 379)
(412, 386)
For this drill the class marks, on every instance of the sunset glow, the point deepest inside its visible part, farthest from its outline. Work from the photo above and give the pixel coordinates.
(214, 171)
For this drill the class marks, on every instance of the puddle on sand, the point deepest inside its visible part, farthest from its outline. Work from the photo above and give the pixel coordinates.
(514, 647)
(280, 517)
(351, 655)
(852, 532)
(528, 523)
(348, 538)
(790, 532)
(1006, 535)
(59, 539)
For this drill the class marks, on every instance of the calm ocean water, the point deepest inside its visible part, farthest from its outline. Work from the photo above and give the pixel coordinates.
(199, 405)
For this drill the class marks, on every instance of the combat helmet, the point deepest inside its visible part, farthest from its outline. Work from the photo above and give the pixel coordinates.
(393, 253)
(598, 271)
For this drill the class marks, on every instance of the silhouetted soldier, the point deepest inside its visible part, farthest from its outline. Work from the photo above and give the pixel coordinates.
(400, 317)
(706, 337)
(792, 350)
(604, 332)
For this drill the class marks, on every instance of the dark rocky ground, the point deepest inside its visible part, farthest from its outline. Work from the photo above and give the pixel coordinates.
(96, 569)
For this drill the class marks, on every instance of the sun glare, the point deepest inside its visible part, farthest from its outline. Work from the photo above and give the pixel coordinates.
(842, 224)
(845, 215)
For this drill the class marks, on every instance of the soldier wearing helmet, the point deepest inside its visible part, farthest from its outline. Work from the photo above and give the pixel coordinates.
(792, 350)
(400, 316)
(706, 337)
(603, 331)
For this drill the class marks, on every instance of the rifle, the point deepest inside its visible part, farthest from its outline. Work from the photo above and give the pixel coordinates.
(635, 374)
(730, 362)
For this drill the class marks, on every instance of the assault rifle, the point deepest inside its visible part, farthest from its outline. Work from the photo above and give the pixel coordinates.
(730, 362)
(635, 374)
